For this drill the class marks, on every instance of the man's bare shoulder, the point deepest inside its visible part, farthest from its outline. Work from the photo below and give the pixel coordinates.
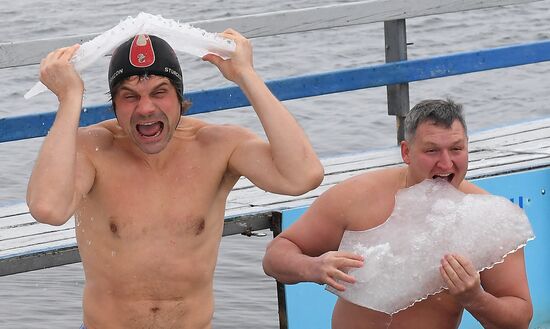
(470, 188)
(206, 132)
(371, 182)
(365, 190)
(100, 135)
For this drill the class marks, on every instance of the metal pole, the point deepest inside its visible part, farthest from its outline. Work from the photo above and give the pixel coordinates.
(395, 36)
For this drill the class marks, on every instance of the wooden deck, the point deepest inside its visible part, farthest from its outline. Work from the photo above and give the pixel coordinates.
(26, 245)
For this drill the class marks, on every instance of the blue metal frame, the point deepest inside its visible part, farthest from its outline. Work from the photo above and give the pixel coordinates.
(36, 125)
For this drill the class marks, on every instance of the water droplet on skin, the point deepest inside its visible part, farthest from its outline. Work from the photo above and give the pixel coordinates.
(113, 253)
(92, 219)
(97, 149)
(89, 242)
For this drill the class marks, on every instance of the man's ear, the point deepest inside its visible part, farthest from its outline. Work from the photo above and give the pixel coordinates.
(405, 149)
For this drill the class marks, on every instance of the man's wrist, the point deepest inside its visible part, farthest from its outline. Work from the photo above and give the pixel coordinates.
(72, 96)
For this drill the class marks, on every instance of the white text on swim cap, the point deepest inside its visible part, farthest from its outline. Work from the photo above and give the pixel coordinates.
(116, 74)
(173, 72)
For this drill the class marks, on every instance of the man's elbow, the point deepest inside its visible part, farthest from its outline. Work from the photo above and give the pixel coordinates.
(317, 176)
(528, 314)
(267, 261)
(267, 266)
(310, 180)
(523, 315)
(45, 213)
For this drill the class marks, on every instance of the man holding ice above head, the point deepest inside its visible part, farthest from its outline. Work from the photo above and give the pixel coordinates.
(148, 189)
(349, 214)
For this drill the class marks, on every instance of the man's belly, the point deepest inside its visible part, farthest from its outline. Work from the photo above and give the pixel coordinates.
(160, 282)
(437, 312)
(106, 311)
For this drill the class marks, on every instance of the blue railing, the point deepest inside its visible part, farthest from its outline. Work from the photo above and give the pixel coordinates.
(37, 125)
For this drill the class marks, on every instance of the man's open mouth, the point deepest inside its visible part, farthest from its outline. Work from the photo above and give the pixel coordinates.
(150, 129)
(447, 177)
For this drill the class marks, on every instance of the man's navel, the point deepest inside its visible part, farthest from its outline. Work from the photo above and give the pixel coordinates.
(113, 227)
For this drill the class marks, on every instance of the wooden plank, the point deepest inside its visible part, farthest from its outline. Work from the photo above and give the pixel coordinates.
(56, 256)
(14, 54)
(515, 128)
(13, 209)
(21, 219)
(40, 245)
(32, 233)
(487, 155)
(507, 160)
(44, 235)
(508, 168)
(354, 157)
(514, 139)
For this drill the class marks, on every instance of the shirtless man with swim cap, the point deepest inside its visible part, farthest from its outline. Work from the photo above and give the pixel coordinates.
(148, 189)
(436, 145)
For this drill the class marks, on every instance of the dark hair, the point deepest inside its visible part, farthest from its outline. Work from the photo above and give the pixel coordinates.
(440, 112)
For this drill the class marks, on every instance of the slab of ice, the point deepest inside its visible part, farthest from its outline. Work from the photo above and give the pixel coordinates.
(430, 219)
(182, 37)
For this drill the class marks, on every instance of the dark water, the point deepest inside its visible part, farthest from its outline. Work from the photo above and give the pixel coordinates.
(344, 123)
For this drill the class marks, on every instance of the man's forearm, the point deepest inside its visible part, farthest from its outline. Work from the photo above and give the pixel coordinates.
(292, 152)
(500, 313)
(285, 262)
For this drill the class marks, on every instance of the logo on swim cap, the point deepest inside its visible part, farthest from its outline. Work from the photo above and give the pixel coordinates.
(142, 53)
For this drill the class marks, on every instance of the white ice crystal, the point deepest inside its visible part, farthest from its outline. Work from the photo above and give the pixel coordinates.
(182, 37)
(402, 256)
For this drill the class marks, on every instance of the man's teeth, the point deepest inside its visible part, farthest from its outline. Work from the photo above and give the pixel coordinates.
(448, 177)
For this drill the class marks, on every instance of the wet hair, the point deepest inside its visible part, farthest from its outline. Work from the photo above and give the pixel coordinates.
(144, 55)
(440, 112)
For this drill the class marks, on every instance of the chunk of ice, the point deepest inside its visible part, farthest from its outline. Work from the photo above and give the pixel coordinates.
(181, 36)
(429, 220)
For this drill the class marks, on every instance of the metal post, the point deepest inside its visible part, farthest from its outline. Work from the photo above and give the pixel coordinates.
(395, 35)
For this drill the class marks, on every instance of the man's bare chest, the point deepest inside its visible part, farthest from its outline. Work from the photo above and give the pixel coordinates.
(131, 203)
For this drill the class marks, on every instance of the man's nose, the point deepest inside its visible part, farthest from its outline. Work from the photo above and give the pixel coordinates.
(145, 106)
(445, 161)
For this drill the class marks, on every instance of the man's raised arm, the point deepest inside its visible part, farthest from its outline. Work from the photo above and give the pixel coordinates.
(288, 164)
(60, 175)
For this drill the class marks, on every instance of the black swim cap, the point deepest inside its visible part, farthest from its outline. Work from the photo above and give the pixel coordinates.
(145, 55)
